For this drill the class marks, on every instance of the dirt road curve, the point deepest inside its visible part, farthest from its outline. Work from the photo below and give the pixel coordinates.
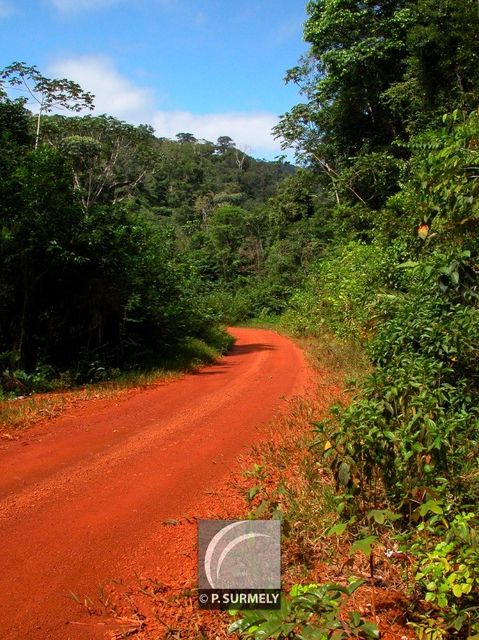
(83, 497)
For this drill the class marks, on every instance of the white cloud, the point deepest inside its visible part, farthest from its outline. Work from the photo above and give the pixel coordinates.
(252, 130)
(114, 94)
(6, 9)
(75, 6)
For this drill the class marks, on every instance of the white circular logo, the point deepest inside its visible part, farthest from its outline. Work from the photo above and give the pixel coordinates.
(243, 555)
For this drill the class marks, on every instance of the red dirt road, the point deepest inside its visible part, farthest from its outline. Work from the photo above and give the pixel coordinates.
(84, 498)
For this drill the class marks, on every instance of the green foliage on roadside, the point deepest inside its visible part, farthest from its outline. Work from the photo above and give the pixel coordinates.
(309, 612)
(117, 247)
(409, 440)
(346, 292)
(399, 187)
(415, 419)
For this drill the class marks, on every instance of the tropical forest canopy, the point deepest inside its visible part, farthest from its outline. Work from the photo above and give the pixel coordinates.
(116, 245)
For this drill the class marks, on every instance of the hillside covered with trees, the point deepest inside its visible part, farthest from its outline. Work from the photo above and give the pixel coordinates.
(116, 245)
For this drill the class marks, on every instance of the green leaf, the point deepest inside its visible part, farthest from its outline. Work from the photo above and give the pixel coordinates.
(364, 545)
(311, 633)
(253, 492)
(237, 625)
(344, 474)
(337, 529)
(370, 630)
(355, 618)
(380, 516)
(457, 590)
(354, 586)
(431, 506)
(269, 629)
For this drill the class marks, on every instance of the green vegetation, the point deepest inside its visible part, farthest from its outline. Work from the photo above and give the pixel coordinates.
(60, 391)
(390, 129)
(118, 246)
(311, 611)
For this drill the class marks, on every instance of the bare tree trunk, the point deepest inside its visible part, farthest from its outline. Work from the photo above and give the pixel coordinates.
(37, 134)
(21, 337)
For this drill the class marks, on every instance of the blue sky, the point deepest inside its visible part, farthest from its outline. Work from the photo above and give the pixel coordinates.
(208, 67)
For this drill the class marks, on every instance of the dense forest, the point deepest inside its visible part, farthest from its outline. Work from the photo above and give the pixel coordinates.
(389, 129)
(117, 246)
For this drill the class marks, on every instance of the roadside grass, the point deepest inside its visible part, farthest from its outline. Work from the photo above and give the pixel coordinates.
(340, 359)
(289, 481)
(263, 322)
(23, 411)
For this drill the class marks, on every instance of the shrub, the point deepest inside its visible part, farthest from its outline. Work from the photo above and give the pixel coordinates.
(345, 292)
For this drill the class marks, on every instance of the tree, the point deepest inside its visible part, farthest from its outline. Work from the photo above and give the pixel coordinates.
(376, 71)
(41, 224)
(47, 93)
(185, 138)
(357, 51)
(13, 123)
(225, 232)
(224, 142)
(109, 158)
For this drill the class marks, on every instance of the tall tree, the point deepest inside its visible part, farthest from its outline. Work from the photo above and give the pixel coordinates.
(109, 158)
(46, 93)
(377, 70)
(185, 138)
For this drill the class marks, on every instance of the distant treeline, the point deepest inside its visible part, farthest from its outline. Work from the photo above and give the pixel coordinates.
(113, 241)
